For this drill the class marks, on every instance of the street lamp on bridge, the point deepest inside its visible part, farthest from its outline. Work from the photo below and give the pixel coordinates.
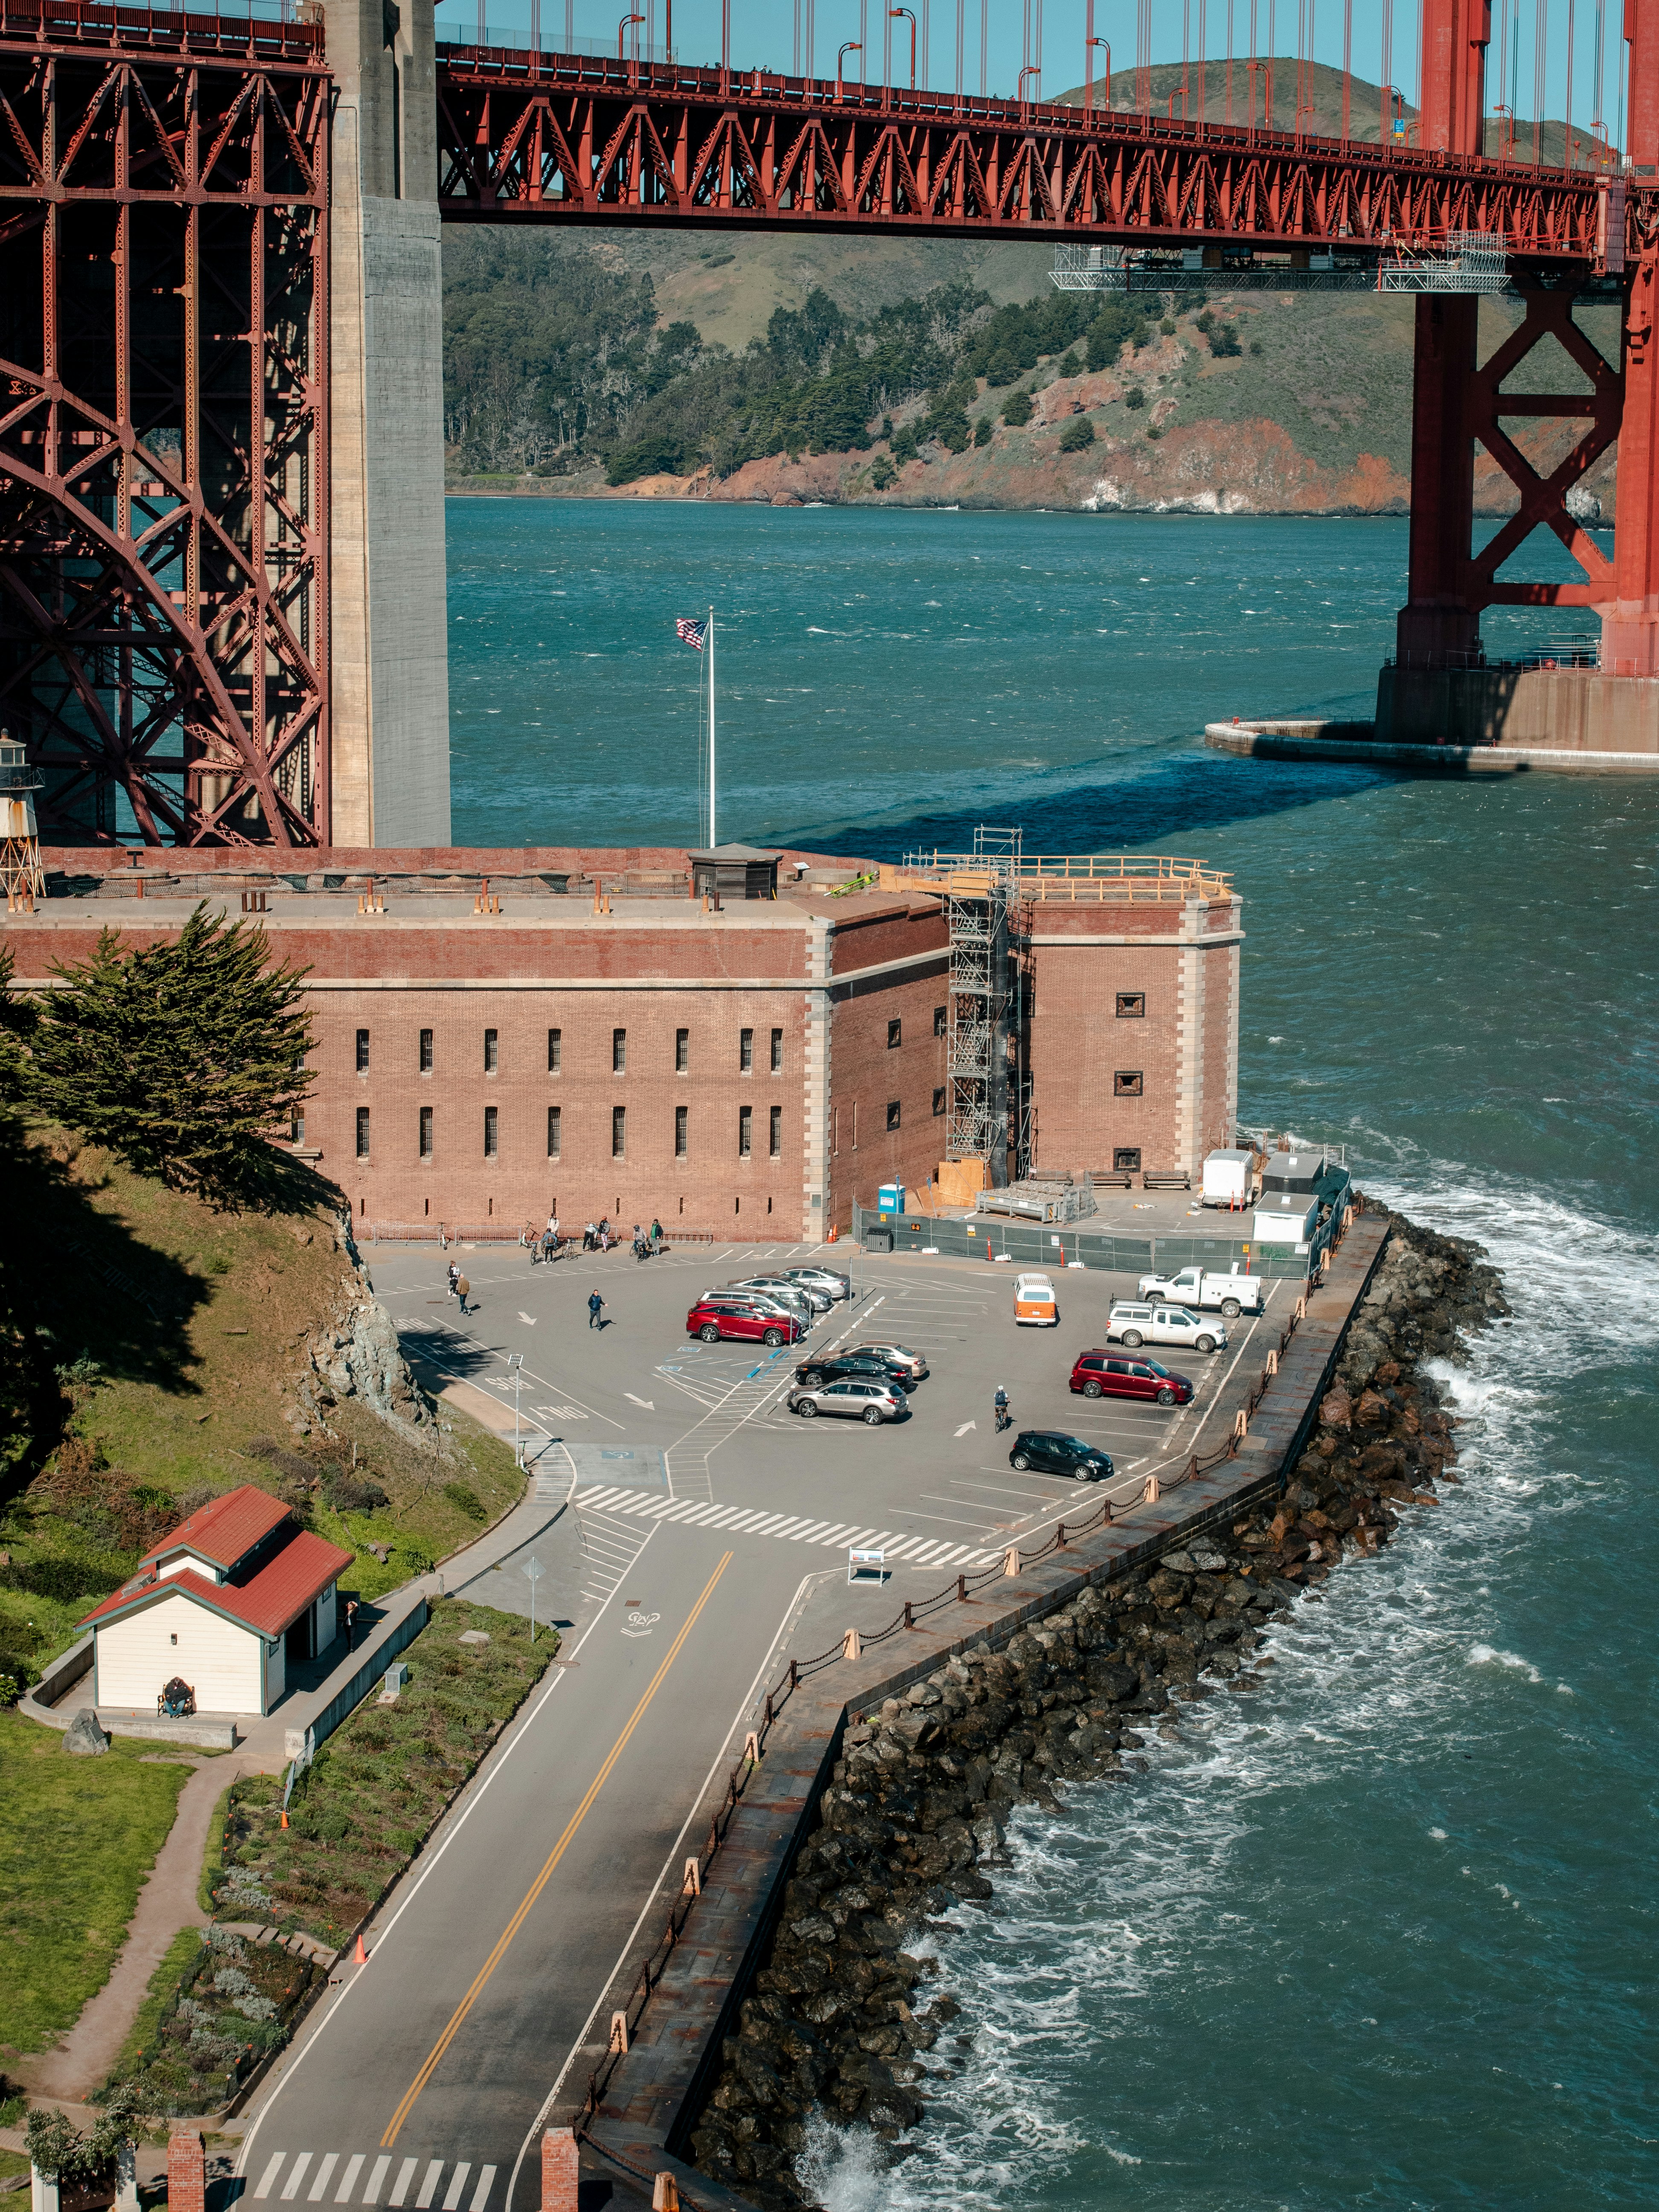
(1089, 46)
(851, 47)
(621, 33)
(905, 11)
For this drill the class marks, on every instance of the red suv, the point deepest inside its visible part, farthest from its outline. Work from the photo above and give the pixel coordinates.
(712, 1318)
(1109, 1375)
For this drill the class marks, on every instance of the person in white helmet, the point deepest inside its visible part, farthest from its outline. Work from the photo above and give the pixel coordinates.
(1005, 1419)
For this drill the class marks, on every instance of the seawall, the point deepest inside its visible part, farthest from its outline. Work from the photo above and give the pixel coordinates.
(1313, 739)
(885, 1784)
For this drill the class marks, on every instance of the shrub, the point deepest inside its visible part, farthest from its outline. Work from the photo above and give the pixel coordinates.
(466, 1500)
(661, 454)
(1078, 433)
(1205, 322)
(1134, 397)
(1017, 409)
(882, 472)
(1223, 343)
(904, 443)
(1167, 326)
(984, 431)
(952, 432)
(1255, 348)
(1154, 431)
(1001, 368)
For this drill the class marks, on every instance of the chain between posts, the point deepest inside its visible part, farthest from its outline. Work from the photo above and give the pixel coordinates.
(915, 1611)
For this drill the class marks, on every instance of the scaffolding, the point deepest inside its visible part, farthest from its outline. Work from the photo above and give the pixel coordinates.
(978, 1002)
(19, 839)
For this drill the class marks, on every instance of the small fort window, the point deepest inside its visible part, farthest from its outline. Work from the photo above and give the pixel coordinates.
(1128, 1083)
(1131, 1005)
(892, 1113)
(1126, 1157)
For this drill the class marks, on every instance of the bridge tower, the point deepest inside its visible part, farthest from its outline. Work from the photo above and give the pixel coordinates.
(1440, 687)
(388, 631)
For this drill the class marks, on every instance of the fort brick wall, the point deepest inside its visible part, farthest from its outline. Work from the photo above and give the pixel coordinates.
(746, 1073)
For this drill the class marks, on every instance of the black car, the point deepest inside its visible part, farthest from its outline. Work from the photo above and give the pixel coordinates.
(844, 1364)
(1055, 1454)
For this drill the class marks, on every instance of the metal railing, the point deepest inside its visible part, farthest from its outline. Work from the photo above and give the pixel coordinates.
(1102, 876)
(231, 27)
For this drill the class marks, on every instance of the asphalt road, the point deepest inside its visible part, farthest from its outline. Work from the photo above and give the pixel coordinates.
(690, 1516)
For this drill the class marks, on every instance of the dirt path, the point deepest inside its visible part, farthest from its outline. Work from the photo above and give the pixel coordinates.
(167, 1903)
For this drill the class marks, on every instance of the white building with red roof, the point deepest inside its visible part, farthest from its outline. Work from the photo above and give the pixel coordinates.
(224, 1603)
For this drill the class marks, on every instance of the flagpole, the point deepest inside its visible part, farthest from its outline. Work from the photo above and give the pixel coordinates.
(711, 730)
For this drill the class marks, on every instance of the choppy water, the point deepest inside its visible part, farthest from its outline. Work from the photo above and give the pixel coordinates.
(1384, 1937)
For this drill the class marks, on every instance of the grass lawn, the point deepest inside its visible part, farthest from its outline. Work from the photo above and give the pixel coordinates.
(78, 1836)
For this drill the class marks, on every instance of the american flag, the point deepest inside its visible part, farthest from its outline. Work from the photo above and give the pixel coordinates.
(690, 632)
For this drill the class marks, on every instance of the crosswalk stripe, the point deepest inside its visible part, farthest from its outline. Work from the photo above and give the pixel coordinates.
(724, 1515)
(681, 1510)
(457, 2184)
(898, 1551)
(405, 2175)
(372, 2193)
(314, 2195)
(765, 1527)
(291, 2186)
(428, 2185)
(486, 2175)
(701, 1515)
(791, 1527)
(810, 1533)
(273, 2167)
(746, 1521)
(348, 2181)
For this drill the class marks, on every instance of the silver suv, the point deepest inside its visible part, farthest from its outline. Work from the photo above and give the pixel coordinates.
(781, 1286)
(785, 1296)
(1133, 1321)
(826, 1279)
(855, 1399)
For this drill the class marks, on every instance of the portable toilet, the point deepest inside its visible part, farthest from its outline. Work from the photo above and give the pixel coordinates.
(889, 1198)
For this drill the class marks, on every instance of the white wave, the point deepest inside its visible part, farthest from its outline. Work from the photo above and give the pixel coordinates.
(1483, 1655)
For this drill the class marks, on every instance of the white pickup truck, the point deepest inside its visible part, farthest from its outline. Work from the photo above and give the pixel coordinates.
(1227, 1294)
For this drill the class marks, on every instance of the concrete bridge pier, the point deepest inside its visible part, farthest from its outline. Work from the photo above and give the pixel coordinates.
(388, 626)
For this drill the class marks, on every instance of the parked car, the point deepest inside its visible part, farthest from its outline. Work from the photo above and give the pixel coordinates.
(826, 1279)
(900, 1355)
(1097, 1375)
(1130, 1323)
(762, 1301)
(839, 1365)
(1035, 1303)
(790, 1296)
(856, 1398)
(713, 1318)
(1228, 1294)
(818, 1301)
(1053, 1453)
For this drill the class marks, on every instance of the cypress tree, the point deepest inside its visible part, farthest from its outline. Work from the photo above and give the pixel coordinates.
(180, 1058)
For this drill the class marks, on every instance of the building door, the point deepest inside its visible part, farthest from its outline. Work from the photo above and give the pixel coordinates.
(302, 1637)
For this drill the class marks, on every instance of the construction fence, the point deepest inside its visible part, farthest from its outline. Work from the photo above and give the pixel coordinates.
(1034, 1244)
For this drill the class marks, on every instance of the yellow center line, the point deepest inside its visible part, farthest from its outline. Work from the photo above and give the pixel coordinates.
(546, 1874)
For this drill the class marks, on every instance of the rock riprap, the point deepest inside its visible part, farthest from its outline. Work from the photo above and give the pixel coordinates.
(842, 2015)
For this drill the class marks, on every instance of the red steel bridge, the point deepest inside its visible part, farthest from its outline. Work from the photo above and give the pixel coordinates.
(180, 509)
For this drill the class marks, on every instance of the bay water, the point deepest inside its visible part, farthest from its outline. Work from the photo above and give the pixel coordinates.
(1384, 1936)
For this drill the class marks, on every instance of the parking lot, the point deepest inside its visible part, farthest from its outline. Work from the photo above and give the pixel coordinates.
(639, 1424)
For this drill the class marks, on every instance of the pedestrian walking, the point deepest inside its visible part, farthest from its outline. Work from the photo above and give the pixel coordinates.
(463, 1291)
(595, 1307)
(1005, 1420)
(454, 1277)
(590, 1236)
(639, 1243)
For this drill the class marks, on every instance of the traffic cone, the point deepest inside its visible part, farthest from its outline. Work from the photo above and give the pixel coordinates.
(359, 1956)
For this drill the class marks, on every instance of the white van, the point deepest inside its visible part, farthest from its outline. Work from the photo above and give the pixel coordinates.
(1131, 1322)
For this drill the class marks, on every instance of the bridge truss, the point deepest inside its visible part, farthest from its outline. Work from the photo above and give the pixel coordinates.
(163, 421)
(531, 137)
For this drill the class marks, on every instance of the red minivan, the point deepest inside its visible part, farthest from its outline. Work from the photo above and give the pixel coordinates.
(712, 1318)
(1115, 1375)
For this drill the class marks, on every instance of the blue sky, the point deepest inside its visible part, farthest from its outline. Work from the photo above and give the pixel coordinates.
(765, 32)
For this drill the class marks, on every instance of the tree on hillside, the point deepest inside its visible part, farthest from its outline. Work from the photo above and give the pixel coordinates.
(180, 1058)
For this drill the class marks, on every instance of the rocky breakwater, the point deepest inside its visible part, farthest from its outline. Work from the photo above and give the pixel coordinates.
(842, 2016)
